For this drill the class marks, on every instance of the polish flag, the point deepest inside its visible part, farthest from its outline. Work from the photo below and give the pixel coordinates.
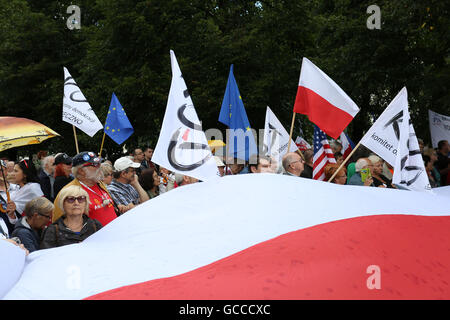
(323, 101)
(175, 247)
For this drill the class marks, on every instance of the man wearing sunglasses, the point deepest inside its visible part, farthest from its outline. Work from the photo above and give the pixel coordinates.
(125, 188)
(88, 175)
(38, 213)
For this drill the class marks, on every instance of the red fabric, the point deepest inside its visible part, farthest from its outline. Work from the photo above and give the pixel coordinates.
(327, 261)
(104, 215)
(329, 118)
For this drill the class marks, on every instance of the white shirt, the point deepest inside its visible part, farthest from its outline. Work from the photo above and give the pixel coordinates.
(26, 193)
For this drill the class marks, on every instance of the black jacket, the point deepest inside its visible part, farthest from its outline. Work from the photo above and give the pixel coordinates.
(57, 234)
(46, 185)
(28, 236)
(60, 182)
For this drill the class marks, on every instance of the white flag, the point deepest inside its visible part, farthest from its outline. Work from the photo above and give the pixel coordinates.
(276, 138)
(439, 127)
(392, 137)
(76, 109)
(182, 146)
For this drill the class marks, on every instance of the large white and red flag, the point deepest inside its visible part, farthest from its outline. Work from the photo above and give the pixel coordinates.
(323, 101)
(184, 246)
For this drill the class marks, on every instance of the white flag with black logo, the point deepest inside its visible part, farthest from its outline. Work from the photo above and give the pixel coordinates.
(182, 145)
(409, 169)
(392, 137)
(276, 138)
(76, 109)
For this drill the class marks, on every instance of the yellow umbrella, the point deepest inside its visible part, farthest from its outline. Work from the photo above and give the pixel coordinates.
(17, 132)
(213, 144)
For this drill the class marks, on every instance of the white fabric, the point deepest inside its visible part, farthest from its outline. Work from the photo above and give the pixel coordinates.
(11, 267)
(313, 78)
(276, 138)
(175, 150)
(388, 138)
(439, 127)
(194, 225)
(76, 109)
(28, 192)
(409, 169)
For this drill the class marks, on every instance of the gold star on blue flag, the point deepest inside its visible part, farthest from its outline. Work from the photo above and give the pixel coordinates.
(117, 125)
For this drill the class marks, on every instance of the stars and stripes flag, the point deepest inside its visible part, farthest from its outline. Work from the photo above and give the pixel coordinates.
(323, 154)
(347, 145)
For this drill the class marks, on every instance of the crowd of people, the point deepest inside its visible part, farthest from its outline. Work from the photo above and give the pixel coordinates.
(57, 200)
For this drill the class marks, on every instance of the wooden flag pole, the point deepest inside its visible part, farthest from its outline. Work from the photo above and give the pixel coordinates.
(344, 162)
(8, 198)
(103, 140)
(75, 136)
(290, 133)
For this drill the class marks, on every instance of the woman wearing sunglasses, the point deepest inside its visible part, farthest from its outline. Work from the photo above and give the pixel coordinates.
(74, 225)
(38, 213)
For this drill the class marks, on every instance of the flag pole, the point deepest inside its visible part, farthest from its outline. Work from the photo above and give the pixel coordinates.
(290, 133)
(75, 136)
(344, 162)
(8, 198)
(103, 140)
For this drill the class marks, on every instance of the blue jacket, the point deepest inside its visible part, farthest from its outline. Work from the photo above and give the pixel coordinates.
(28, 236)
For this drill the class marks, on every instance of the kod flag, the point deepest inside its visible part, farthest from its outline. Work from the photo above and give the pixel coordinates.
(409, 168)
(323, 101)
(242, 144)
(182, 146)
(76, 109)
(117, 125)
(439, 127)
(392, 137)
(276, 138)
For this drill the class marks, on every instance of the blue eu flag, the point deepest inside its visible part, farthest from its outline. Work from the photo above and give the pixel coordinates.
(117, 125)
(242, 142)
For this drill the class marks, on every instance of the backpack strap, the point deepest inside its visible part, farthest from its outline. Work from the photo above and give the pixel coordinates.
(56, 232)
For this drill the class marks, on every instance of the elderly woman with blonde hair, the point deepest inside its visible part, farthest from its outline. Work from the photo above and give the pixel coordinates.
(74, 225)
(379, 179)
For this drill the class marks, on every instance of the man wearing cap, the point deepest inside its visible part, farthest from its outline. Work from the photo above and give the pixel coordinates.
(125, 188)
(88, 175)
(63, 170)
(46, 178)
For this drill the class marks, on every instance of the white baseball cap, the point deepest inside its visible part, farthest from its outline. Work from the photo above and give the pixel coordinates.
(125, 163)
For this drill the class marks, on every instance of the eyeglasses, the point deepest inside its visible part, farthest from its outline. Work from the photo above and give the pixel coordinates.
(44, 215)
(80, 199)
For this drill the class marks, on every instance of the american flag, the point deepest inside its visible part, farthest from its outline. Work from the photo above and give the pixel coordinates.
(323, 154)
